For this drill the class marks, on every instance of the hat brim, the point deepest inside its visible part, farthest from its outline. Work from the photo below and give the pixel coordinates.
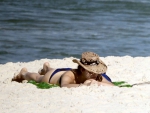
(98, 69)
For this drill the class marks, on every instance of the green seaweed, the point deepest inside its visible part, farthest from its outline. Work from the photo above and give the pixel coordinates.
(43, 85)
(127, 85)
(121, 84)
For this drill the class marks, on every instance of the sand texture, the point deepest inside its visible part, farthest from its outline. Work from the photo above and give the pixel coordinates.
(27, 98)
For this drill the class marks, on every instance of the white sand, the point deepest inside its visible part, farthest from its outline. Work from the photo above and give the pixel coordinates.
(26, 98)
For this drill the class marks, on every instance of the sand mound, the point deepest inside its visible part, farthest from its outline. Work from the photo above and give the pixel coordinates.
(27, 98)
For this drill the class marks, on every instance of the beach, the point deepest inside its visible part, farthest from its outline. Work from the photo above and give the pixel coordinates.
(27, 98)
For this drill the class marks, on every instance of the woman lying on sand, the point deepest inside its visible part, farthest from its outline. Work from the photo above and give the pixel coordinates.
(91, 70)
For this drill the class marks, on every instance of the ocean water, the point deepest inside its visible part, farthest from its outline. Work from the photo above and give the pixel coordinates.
(55, 29)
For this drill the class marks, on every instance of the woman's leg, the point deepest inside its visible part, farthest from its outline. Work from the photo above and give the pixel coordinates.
(46, 68)
(25, 75)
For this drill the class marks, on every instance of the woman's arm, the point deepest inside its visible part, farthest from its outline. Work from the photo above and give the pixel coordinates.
(68, 80)
(92, 81)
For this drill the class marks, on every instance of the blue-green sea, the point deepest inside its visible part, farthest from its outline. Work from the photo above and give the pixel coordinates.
(55, 29)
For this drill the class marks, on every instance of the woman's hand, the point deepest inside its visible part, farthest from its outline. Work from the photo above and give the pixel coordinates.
(91, 81)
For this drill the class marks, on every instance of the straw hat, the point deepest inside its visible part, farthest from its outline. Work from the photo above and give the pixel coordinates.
(91, 62)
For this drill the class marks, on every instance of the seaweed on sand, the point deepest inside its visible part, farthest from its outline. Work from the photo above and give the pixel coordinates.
(43, 85)
(122, 84)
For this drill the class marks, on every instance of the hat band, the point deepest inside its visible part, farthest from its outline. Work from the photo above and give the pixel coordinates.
(90, 63)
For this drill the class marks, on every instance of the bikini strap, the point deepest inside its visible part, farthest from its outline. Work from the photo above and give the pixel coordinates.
(105, 76)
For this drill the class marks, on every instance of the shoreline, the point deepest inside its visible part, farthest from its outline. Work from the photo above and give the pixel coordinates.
(24, 97)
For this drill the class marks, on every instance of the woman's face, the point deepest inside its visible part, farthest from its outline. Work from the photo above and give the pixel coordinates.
(90, 75)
